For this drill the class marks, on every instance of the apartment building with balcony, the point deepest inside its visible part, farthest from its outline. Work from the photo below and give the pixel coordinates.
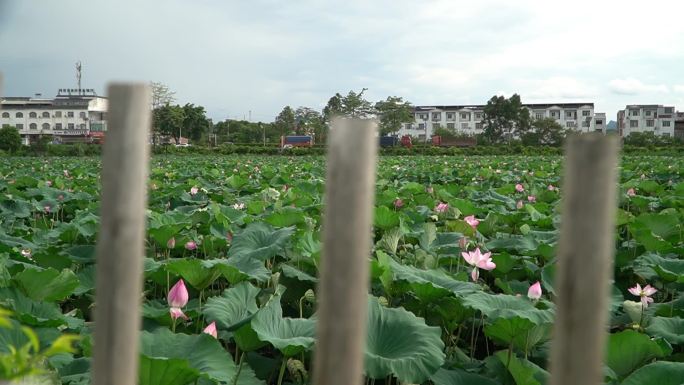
(68, 117)
(654, 118)
(469, 119)
(679, 125)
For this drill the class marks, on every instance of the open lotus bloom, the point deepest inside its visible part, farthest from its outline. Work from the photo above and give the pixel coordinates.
(178, 295)
(442, 207)
(644, 293)
(472, 221)
(519, 188)
(535, 291)
(211, 330)
(479, 261)
(191, 245)
(194, 190)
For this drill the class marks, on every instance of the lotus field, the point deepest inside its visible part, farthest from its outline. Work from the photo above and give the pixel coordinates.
(462, 270)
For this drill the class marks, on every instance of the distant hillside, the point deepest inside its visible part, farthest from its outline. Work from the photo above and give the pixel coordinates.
(612, 125)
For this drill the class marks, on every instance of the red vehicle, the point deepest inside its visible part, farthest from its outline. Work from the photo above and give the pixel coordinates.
(406, 141)
(453, 142)
(95, 137)
(296, 141)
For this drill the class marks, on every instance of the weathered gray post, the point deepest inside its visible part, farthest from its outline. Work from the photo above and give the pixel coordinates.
(120, 247)
(343, 287)
(585, 260)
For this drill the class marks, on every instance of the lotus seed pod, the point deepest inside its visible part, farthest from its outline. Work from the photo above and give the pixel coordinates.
(310, 296)
(383, 301)
(297, 371)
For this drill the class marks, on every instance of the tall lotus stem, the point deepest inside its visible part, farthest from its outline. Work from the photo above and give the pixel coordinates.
(282, 371)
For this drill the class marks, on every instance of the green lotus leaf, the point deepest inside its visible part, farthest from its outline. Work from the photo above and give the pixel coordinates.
(460, 377)
(259, 241)
(523, 371)
(233, 308)
(435, 279)
(628, 350)
(385, 218)
(166, 371)
(199, 273)
(660, 373)
(508, 306)
(289, 335)
(47, 284)
(401, 344)
(671, 329)
(31, 312)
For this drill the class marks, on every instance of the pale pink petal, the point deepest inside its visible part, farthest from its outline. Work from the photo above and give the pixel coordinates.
(644, 301)
(475, 274)
(535, 291)
(211, 330)
(636, 290)
(177, 313)
(649, 290)
(468, 256)
(487, 264)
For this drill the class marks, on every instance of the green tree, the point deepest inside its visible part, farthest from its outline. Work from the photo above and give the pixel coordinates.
(161, 95)
(168, 120)
(547, 131)
(195, 122)
(353, 105)
(10, 140)
(393, 111)
(285, 121)
(505, 118)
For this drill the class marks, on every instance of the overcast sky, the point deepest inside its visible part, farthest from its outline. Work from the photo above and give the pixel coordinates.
(259, 55)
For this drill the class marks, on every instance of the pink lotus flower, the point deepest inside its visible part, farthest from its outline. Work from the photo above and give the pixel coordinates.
(211, 330)
(190, 245)
(644, 293)
(535, 291)
(178, 295)
(171, 243)
(552, 187)
(631, 192)
(48, 183)
(531, 198)
(463, 243)
(239, 206)
(470, 219)
(479, 261)
(176, 313)
(442, 207)
(519, 188)
(519, 205)
(398, 203)
(194, 190)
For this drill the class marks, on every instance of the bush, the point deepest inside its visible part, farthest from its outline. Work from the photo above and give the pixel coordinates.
(10, 140)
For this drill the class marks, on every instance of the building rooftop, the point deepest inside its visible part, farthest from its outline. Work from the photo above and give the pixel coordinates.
(482, 106)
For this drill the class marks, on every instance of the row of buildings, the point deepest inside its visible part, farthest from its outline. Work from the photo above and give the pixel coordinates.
(581, 117)
(80, 115)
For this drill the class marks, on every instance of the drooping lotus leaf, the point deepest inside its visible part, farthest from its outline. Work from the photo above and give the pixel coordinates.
(628, 350)
(293, 272)
(166, 371)
(401, 344)
(199, 273)
(660, 373)
(289, 335)
(236, 270)
(460, 377)
(436, 279)
(520, 332)
(259, 241)
(523, 371)
(233, 308)
(30, 312)
(671, 329)
(201, 352)
(496, 306)
(47, 284)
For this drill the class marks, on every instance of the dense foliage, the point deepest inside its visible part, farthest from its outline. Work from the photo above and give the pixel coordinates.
(235, 242)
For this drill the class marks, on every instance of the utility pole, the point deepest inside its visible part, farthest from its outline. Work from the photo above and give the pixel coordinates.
(250, 115)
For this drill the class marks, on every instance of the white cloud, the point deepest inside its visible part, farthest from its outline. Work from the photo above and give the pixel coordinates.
(555, 88)
(679, 88)
(631, 86)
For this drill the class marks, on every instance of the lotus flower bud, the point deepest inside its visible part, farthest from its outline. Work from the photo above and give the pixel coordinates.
(178, 295)
(211, 330)
(171, 243)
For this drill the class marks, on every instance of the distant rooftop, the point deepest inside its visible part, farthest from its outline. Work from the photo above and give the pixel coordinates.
(482, 106)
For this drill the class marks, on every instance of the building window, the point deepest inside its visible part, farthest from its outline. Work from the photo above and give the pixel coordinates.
(599, 121)
(33, 115)
(478, 126)
(570, 124)
(478, 115)
(585, 123)
(633, 123)
(421, 126)
(82, 126)
(633, 112)
(5, 125)
(5, 115)
(650, 123)
(46, 114)
(669, 110)
(465, 116)
(70, 114)
(20, 126)
(82, 115)
(436, 126)
(450, 116)
(436, 116)
(46, 126)
(58, 126)
(19, 115)
(70, 126)
(33, 126)
(648, 113)
(451, 126)
(555, 114)
(570, 115)
(465, 126)
(539, 115)
(666, 123)
(58, 114)
(666, 134)
(585, 112)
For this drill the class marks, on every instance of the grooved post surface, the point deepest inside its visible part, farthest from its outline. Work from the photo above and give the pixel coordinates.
(343, 285)
(120, 247)
(585, 260)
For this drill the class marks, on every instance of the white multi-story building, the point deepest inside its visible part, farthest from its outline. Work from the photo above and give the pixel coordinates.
(600, 124)
(655, 118)
(71, 116)
(469, 119)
